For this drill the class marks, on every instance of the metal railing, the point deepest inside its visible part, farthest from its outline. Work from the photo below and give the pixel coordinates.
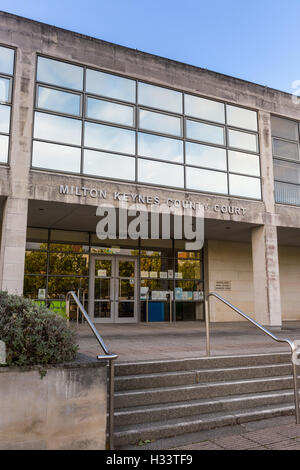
(108, 356)
(264, 330)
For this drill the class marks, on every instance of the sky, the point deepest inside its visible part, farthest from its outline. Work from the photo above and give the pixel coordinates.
(256, 40)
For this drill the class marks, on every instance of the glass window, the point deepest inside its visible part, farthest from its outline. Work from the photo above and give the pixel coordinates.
(109, 138)
(284, 128)
(204, 132)
(65, 263)
(287, 171)
(287, 193)
(246, 163)
(4, 118)
(56, 157)
(61, 101)
(241, 117)
(245, 187)
(161, 148)
(111, 112)
(165, 174)
(105, 84)
(282, 148)
(35, 262)
(203, 155)
(204, 109)
(3, 148)
(161, 98)
(207, 181)
(109, 165)
(4, 89)
(7, 60)
(242, 140)
(57, 128)
(59, 73)
(157, 122)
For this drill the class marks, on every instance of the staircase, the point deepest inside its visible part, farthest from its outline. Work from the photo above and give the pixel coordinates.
(160, 399)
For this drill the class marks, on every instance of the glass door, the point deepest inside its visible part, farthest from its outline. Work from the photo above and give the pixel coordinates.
(126, 290)
(113, 289)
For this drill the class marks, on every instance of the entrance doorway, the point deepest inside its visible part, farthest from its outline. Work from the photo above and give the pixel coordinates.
(113, 289)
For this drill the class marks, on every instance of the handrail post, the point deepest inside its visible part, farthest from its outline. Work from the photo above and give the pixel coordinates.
(207, 326)
(110, 357)
(111, 403)
(295, 381)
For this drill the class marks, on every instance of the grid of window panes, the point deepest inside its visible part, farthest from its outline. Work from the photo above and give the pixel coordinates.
(104, 125)
(57, 261)
(286, 160)
(7, 59)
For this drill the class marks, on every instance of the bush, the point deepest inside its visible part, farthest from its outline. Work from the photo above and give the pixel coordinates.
(33, 334)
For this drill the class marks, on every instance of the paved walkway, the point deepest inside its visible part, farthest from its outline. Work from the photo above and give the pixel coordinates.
(282, 437)
(142, 342)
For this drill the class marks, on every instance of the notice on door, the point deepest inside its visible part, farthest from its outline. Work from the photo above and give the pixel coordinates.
(101, 273)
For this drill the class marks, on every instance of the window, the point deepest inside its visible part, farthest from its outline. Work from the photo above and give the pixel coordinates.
(244, 186)
(162, 123)
(7, 60)
(241, 117)
(4, 89)
(57, 128)
(203, 155)
(56, 100)
(285, 149)
(121, 128)
(4, 118)
(7, 56)
(202, 108)
(164, 174)
(246, 163)
(56, 157)
(284, 128)
(242, 140)
(59, 73)
(205, 132)
(161, 148)
(3, 148)
(286, 171)
(285, 134)
(109, 165)
(110, 112)
(161, 98)
(109, 138)
(206, 181)
(112, 86)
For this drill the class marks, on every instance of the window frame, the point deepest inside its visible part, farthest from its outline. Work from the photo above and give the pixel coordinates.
(85, 95)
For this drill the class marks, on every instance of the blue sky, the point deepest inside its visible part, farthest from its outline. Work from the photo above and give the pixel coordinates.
(256, 40)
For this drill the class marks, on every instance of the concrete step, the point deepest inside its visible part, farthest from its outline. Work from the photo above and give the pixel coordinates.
(165, 379)
(181, 393)
(172, 365)
(127, 435)
(147, 414)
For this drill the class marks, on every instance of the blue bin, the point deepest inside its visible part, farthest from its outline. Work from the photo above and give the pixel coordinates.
(156, 311)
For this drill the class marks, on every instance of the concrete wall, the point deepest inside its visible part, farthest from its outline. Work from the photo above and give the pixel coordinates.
(228, 261)
(289, 269)
(65, 410)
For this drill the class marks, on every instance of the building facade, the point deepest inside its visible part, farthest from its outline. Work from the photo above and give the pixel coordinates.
(85, 122)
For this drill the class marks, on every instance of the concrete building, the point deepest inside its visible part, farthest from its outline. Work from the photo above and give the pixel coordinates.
(84, 121)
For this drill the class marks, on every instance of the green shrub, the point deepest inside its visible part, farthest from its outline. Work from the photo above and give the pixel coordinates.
(33, 334)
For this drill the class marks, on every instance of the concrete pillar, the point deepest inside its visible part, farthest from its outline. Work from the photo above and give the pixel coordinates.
(267, 304)
(13, 240)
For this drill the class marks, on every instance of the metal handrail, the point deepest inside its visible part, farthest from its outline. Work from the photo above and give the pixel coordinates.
(108, 356)
(264, 330)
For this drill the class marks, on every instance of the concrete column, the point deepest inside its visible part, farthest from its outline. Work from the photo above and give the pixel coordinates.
(13, 240)
(267, 304)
